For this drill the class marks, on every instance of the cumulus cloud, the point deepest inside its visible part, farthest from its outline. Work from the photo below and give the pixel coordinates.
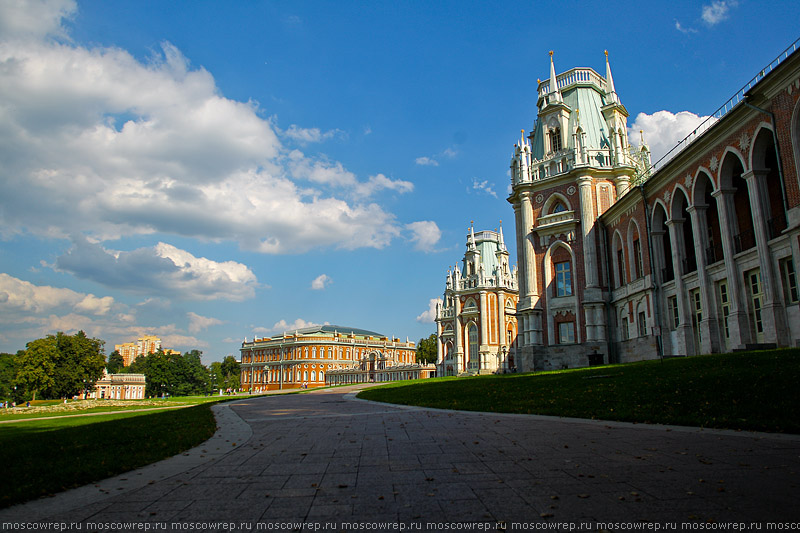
(429, 316)
(320, 282)
(198, 323)
(18, 296)
(35, 18)
(717, 11)
(425, 234)
(99, 143)
(162, 269)
(663, 130)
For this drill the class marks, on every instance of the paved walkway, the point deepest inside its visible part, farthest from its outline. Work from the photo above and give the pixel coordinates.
(325, 458)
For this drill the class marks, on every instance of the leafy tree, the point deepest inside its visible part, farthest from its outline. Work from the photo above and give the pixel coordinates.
(79, 364)
(8, 370)
(172, 373)
(426, 350)
(232, 373)
(35, 365)
(115, 363)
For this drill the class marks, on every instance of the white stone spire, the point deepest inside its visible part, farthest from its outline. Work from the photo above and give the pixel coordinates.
(471, 238)
(611, 93)
(555, 94)
(500, 234)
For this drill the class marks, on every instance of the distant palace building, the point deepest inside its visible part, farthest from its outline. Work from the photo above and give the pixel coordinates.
(620, 260)
(321, 355)
(476, 323)
(119, 387)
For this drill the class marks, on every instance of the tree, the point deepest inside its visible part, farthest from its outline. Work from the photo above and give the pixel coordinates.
(79, 364)
(115, 363)
(426, 350)
(35, 365)
(8, 370)
(232, 373)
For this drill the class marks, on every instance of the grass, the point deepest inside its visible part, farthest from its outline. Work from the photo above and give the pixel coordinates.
(745, 391)
(42, 457)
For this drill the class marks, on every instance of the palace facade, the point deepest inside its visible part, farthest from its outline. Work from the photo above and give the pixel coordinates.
(476, 324)
(623, 260)
(306, 356)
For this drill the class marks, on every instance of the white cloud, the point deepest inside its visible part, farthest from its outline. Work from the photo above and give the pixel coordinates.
(718, 11)
(483, 186)
(311, 135)
(34, 18)
(96, 142)
(426, 161)
(664, 129)
(429, 316)
(425, 234)
(282, 326)
(162, 269)
(19, 296)
(320, 282)
(198, 323)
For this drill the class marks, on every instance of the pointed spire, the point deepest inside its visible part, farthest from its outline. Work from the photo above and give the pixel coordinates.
(502, 241)
(554, 92)
(471, 236)
(610, 91)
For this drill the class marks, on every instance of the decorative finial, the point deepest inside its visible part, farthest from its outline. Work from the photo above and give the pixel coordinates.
(551, 53)
(606, 52)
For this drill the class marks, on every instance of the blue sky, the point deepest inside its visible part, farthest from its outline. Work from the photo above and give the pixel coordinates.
(209, 171)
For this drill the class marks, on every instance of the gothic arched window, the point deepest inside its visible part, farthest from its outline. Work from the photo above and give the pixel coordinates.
(472, 335)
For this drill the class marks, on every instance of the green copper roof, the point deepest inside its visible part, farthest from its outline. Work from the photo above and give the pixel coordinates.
(588, 101)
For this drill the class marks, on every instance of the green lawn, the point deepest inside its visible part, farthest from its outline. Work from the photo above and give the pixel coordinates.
(42, 457)
(746, 390)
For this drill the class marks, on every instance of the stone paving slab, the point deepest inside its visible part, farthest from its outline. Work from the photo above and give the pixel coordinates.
(324, 459)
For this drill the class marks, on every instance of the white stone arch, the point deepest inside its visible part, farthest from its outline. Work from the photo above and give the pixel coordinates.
(735, 153)
(618, 243)
(551, 201)
(470, 304)
(656, 203)
(548, 269)
(752, 148)
(633, 228)
(686, 194)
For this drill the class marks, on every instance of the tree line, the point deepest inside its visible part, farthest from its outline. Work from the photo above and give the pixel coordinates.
(65, 366)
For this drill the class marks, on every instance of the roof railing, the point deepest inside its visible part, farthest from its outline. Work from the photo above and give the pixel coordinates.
(725, 108)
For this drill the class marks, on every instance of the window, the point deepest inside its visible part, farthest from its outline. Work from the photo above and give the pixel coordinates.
(555, 140)
(563, 279)
(559, 207)
(566, 333)
(642, 324)
(672, 302)
(789, 281)
(621, 267)
(472, 333)
(624, 328)
(725, 306)
(510, 337)
(637, 257)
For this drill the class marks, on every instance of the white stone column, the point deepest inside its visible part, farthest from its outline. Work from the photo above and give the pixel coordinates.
(772, 312)
(528, 253)
(458, 349)
(709, 337)
(738, 322)
(587, 228)
(685, 336)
